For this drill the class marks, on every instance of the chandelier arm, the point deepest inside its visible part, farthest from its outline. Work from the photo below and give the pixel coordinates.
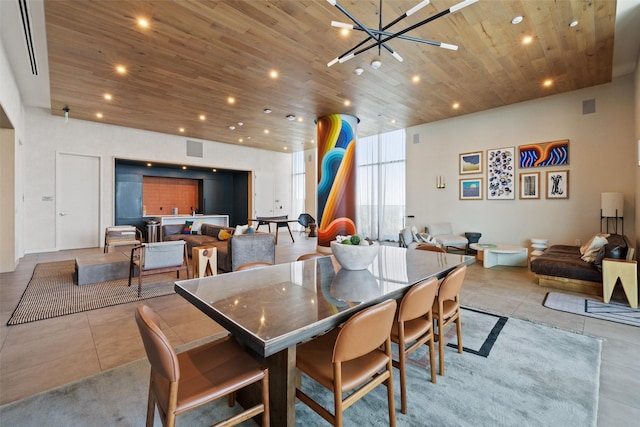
(452, 9)
(413, 39)
(357, 22)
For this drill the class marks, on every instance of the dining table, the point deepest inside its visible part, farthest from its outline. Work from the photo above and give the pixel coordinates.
(273, 309)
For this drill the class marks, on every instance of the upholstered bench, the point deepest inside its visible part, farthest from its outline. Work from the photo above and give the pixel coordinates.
(101, 268)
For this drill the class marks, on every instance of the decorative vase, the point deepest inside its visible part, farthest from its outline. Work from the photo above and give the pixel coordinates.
(354, 257)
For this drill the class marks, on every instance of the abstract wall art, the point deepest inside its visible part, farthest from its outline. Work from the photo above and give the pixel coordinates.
(501, 173)
(554, 153)
(558, 184)
(471, 189)
(471, 163)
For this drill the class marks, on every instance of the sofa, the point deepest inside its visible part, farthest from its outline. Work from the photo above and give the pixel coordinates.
(563, 266)
(232, 249)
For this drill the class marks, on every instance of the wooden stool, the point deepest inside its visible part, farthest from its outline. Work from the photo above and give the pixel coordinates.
(205, 261)
(627, 272)
(312, 230)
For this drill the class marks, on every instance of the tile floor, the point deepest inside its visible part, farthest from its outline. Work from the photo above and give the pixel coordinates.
(41, 355)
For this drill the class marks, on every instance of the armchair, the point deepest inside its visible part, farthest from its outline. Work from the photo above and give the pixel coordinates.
(443, 233)
(120, 235)
(155, 258)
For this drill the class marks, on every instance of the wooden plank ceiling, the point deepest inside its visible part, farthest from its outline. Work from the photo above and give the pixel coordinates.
(196, 54)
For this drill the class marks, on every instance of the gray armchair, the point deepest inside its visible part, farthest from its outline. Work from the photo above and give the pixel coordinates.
(155, 258)
(247, 248)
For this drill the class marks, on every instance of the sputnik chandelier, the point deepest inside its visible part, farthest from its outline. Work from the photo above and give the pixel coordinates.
(381, 36)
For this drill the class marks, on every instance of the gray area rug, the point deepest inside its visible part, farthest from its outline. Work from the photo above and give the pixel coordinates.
(528, 375)
(619, 312)
(52, 293)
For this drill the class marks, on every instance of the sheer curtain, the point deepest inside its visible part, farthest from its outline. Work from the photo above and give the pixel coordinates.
(380, 163)
(297, 185)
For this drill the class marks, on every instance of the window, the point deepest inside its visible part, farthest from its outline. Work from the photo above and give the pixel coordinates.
(297, 185)
(380, 163)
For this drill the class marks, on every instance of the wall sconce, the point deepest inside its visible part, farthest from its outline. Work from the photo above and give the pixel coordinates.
(440, 181)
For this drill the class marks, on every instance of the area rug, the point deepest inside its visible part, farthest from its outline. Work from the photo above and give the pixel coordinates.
(614, 311)
(52, 293)
(532, 375)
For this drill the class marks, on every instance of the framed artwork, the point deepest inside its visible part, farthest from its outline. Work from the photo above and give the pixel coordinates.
(501, 169)
(554, 153)
(530, 185)
(471, 189)
(471, 163)
(558, 184)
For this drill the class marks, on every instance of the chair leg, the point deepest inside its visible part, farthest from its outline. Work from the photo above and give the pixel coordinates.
(459, 333)
(402, 356)
(151, 405)
(432, 360)
(440, 345)
(139, 283)
(389, 384)
(265, 398)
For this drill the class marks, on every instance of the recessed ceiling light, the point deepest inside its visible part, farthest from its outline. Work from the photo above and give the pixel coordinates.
(273, 74)
(547, 83)
(121, 69)
(527, 39)
(202, 117)
(347, 102)
(99, 115)
(344, 32)
(231, 100)
(290, 117)
(232, 127)
(267, 111)
(240, 123)
(214, 170)
(573, 23)
(240, 140)
(108, 96)
(518, 19)
(266, 131)
(149, 164)
(358, 71)
(184, 168)
(285, 148)
(393, 121)
(456, 105)
(415, 79)
(181, 129)
(143, 23)
(300, 119)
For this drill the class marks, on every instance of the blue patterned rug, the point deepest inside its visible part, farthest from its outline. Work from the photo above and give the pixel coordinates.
(614, 311)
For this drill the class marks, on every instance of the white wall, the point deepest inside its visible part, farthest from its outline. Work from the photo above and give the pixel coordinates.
(47, 134)
(637, 156)
(602, 157)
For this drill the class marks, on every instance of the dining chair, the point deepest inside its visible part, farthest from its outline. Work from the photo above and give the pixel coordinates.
(156, 258)
(311, 256)
(413, 327)
(185, 381)
(446, 309)
(432, 248)
(252, 265)
(355, 356)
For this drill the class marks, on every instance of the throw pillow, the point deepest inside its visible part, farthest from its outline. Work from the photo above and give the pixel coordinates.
(592, 251)
(197, 225)
(223, 235)
(187, 227)
(584, 248)
(241, 229)
(250, 230)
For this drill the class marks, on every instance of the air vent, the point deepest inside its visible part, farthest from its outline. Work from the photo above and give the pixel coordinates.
(26, 27)
(589, 106)
(194, 149)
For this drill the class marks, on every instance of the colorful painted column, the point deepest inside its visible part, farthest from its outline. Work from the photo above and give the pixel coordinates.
(336, 177)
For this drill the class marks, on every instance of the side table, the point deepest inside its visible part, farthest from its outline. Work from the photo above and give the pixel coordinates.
(627, 272)
(205, 261)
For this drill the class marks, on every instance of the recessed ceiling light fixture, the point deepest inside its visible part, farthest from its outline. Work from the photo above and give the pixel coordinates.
(121, 69)
(143, 23)
(181, 129)
(232, 127)
(290, 117)
(240, 123)
(267, 111)
(347, 103)
(527, 39)
(231, 100)
(108, 96)
(381, 36)
(376, 64)
(456, 105)
(358, 71)
(273, 74)
(516, 20)
(547, 83)
(573, 23)
(99, 115)
(415, 79)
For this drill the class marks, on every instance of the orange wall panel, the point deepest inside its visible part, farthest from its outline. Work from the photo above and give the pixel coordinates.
(160, 195)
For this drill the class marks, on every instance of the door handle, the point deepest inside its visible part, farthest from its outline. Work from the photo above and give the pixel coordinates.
(62, 214)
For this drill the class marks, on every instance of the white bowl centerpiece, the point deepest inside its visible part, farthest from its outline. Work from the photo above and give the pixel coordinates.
(353, 252)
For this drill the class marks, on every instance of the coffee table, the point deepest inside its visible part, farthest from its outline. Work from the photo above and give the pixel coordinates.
(499, 254)
(97, 268)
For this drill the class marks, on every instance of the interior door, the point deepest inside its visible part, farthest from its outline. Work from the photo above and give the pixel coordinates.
(78, 201)
(264, 194)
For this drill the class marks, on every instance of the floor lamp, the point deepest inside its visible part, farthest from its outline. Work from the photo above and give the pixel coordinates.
(612, 208)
